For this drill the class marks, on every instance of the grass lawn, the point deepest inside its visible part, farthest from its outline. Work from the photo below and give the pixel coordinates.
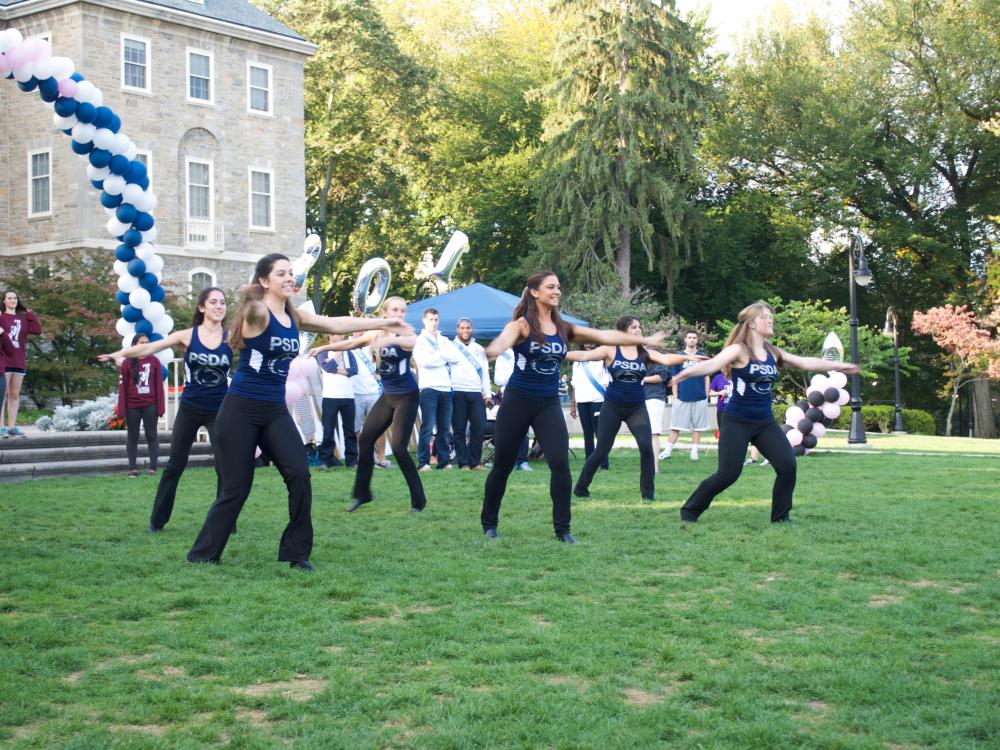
(871, 623)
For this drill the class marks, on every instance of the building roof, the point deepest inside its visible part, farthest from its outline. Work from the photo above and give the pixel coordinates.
(239, 12)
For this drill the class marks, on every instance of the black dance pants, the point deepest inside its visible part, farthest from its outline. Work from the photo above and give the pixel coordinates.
(398, 411)
(186, 425)
(242, 425)
(636, 416)
(517, 413)
(735, 435)
(590, 414)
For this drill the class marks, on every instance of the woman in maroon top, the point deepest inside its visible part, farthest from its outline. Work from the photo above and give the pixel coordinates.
(141, 398)
(18, 322)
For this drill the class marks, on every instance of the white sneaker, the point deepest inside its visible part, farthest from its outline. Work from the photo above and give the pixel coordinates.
(694, 454)
(764, 462)
(748, 462)
(425, 467)
(665, 453)
(523, 467)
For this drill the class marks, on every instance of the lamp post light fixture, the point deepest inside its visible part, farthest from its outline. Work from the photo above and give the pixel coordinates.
(859, 276)
(891, 324)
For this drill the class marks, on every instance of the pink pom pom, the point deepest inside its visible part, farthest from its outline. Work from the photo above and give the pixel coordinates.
(67, 88)
(293, 392)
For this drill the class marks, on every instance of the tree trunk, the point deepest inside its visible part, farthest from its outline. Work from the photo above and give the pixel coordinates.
(951, 408)
(623, 258)
(985, 425)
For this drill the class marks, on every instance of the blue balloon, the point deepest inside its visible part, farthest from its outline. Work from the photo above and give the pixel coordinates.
(155, 337)
(86, 112)
(136, 267)
(148, 282)
(144, 183)
(119, 164)
(135, 172)
(164, 372)
(132, 314)
(98, 184)
(103, 118)
(77, 77)
(122, 297)
(116, 123)
(48, 89)
(111, 201)
(68, 131)
(158, 294)
(143, 221)
(126, 213)
(82, 148)
(132, 238)
(65, 107)
(124, 253)
(144, 327)
(100, 157)
(30, 85)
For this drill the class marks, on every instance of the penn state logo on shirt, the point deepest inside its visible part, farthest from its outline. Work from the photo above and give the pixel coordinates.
(629, 372)
(550, 354)
(210, 369)
(389, 362)
(763, 375)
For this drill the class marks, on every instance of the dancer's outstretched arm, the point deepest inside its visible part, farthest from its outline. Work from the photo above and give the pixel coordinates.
(589, 355)
(815, 364)
(661, 358)
(615, 338)
(345, 324)
(726, 357)
(177, 338)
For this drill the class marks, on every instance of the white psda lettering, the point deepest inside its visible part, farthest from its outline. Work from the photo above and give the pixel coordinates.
(549, 347)
(212, 360)
(763, 369)
(626, 365)
(280, 343)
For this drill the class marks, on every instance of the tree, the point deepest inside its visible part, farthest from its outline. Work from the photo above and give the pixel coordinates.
(619, 161)
(604, 306)
(973, 356)
(77, 310)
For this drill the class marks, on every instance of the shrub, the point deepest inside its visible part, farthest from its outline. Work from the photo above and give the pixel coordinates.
(90, 415)
(876, 419)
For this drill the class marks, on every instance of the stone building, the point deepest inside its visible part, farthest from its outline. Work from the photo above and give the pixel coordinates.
(211, 93)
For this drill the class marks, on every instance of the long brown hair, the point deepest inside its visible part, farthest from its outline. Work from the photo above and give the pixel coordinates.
(19, 308)
(255, 293)
(199, 315)
(741, 333)
(527, 307)
(622, 324)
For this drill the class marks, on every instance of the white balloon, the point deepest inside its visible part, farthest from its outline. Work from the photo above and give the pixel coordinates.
(141, 201)
(103, 138)
(131, 152)
(151, 202)
(62, 67)
(24, 73)
(149, 235)
(120, 267)
(97, 98)
(120, 144)
(154, 264)
(818, 430)
(794, 415)
(114, 184)
(85, 91)
(84, 132)
(97, 173)
(166, 356)
(127, 340)
(139, 297)
(128, 283)
(10, 38)
(845, 396)
(125, 328)
(164, 325)
(145, 251)
(44, 68)
(116, 228)
(830, 411)
(130, 193)
(111, 212)
(819, 382)
(63, 123)
(794, 437)
(154, 311)
(837, 380)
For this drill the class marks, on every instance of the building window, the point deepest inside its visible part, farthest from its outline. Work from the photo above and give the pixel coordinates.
(199, 76)
(40, 183)
(261, 199)
(44, 35)
(199, 190)
(201, 278)
(135, 64)
(259, 89)
(146, 157)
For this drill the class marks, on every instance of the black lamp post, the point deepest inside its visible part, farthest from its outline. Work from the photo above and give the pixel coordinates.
(861, 277)
(891, 323)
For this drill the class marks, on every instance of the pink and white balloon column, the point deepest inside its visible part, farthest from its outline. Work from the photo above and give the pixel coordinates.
(807, 421)
(96, 137)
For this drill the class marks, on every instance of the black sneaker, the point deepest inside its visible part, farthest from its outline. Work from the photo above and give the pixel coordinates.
(491, 534)
(304, 565)
(566, 538)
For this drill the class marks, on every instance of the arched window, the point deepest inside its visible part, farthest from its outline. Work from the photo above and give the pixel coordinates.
(199, 279)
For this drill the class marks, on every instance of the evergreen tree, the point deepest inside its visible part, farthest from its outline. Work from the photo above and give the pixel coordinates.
(619, 161)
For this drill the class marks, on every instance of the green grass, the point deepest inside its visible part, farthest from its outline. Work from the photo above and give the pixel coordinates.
(870, 623)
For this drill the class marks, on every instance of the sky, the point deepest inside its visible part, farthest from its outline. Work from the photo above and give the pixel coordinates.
(734, 19)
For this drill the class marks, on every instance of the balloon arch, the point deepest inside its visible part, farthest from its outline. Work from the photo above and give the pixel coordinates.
(97, 138)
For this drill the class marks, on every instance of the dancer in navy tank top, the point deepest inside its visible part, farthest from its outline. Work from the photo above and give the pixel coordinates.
(625, 401)
(253, 412)
(207, 360)
(539, 337)
(396, 408)
(752, 362)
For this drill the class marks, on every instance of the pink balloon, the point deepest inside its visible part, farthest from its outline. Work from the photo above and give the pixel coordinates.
(844, 397)
(293, 392)
(67, 88)
(830, 411)
(794, 437)
(818, 430)
(838, 379)
(17, 56)
(794, 415)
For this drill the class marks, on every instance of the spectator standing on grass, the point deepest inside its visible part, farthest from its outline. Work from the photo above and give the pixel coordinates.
(338, 369)
(655, 393)
(18, 322)
(141, 399)
(470, 378)
(689, 412)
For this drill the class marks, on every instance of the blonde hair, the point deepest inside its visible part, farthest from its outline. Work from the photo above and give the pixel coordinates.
(385, 305)
(741, 332)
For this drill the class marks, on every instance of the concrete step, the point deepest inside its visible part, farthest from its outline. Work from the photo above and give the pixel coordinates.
(38, 439)
(16, 472)
(33, 453)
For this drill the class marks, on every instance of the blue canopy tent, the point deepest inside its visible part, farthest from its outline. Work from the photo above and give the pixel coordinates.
(489, 310)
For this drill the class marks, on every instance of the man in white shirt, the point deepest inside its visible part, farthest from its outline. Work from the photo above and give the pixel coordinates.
(503, 368)
(470, 379)
(434, 356)
(587, 389)
(338, 401)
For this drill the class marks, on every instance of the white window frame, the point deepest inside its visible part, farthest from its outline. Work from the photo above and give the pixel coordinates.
(210, 102)
(270, 89)
(149, 64)
(149, 164)
(201, 269)
(250, 194)
(45, 35)
(187, 188)
(31, 187)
